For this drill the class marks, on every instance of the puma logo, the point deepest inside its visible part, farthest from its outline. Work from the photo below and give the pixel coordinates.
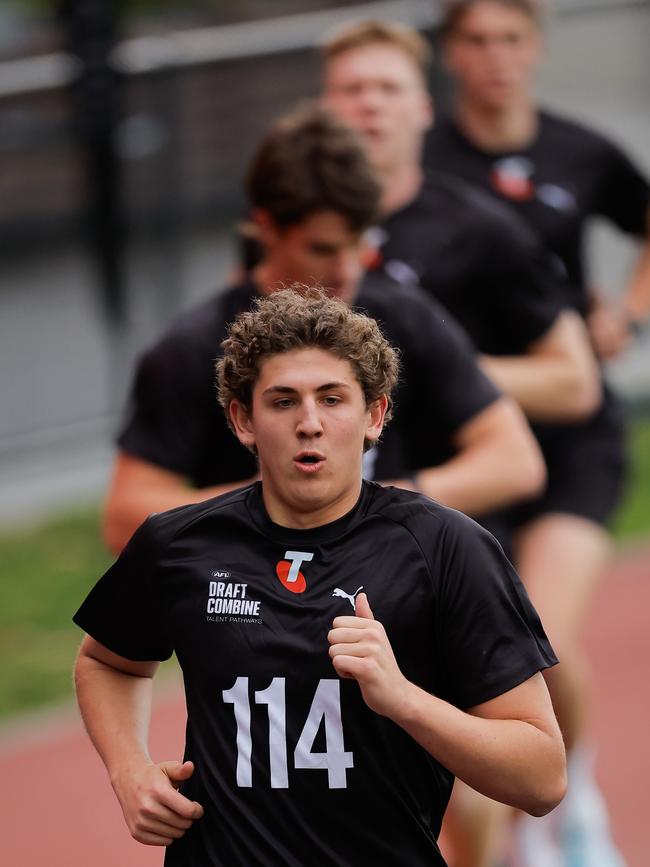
(344, 595)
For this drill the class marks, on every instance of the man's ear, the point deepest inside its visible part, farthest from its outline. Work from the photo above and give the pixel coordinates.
(267, 230)
(242, 423)
(376, 415)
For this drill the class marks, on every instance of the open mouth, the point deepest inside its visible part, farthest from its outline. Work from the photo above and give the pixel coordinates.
(309, 462)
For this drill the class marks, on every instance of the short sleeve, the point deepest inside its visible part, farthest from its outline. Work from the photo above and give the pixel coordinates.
(125, 611)
(623, 194)
(170, 408)
(520, 284)
(442, 369)
(441, 386)
(492, 638)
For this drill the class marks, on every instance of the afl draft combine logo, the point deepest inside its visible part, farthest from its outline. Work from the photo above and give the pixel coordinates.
(288, 571)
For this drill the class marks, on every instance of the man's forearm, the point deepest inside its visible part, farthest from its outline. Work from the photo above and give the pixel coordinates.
(115, 702)
(557, 379)
(486, 476)
(510, 760)
(508, 747)
(116, 709)
(547, 389)
(476, 486)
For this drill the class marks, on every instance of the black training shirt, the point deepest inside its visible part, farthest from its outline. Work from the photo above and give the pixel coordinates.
(291, 766)
(174, 420)
(478, 259)
(565, 176)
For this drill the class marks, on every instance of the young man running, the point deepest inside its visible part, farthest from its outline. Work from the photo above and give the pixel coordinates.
(467, 251)
(313, 196)
(347, 648)
(558, 176)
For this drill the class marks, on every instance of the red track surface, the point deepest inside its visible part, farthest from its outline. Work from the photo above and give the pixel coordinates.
(58, 809)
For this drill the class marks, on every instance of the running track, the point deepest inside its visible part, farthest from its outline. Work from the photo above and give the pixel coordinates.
(57, 807)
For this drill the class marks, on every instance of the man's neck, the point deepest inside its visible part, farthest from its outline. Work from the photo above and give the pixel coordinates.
(400, 186)
(510, 128)
(298, 516)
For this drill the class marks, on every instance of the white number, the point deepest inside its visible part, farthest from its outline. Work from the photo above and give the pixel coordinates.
(238, 695)
(273, 696)
(326, 705)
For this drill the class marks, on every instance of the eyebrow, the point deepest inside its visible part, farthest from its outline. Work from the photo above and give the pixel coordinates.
(287, 389)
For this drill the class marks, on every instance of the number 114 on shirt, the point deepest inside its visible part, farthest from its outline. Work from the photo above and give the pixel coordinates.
(326, 706)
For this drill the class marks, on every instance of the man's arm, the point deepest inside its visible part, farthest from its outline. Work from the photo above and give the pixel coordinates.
(509, 748)
(558, 379)
(114, 696)
(139, 488)
(498, 462)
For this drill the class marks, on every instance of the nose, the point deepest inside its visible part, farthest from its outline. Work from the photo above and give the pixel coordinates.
(497, 49)
(370, 98)
(309, 423)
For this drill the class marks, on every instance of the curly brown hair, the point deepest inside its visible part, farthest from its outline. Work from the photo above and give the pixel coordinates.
(300, 317)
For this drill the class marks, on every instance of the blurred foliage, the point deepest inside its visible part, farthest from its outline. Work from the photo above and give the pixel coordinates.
(633, 519)
(46, 571)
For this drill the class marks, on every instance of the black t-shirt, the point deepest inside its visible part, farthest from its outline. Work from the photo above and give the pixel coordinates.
(291, 766)
(567, 175)
(480, 261)
(175, 421)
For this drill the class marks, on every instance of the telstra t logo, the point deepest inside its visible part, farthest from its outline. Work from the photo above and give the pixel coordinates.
(288, 570)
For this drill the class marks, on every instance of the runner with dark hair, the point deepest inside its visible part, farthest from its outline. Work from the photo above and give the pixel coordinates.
(312, 195)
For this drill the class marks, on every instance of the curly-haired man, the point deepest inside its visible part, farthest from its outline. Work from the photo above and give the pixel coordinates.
(320, 730)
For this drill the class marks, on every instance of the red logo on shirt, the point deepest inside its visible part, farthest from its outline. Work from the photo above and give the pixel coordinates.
(288, 571)
(512, 177)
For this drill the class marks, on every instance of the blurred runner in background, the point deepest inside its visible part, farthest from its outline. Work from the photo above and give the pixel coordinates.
(313, 196)
(474, 256)
(557, 175)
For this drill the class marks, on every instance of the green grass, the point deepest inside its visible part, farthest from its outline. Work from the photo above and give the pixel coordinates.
(633, 519)
(45, 573)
